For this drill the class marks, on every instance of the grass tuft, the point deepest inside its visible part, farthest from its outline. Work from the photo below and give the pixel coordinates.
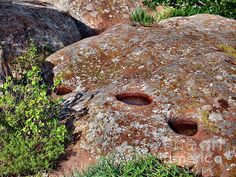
(142, 17)
(146, 166)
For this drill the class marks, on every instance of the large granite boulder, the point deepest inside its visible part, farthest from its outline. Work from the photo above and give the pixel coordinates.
(100, 14)
(169, 90)
(21, 22)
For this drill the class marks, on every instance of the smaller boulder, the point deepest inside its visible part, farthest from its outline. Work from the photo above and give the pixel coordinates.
(22, 21)
(101, 14)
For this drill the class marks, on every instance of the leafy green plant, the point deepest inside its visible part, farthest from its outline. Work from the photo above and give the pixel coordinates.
(32, 138)
(34, 56)
(142, 17)
(148, 166)
(224, 8)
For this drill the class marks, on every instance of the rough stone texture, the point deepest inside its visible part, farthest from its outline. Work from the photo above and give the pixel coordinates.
(21, 21)
(100, 14)
(177, 68)
(62, 4)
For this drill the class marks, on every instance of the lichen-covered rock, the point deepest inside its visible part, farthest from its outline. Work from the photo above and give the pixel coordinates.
(211, 25)
(23, 21)
(167, 90)
(100, 14)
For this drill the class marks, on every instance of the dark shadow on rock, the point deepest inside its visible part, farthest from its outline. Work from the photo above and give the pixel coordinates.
(48, 75)
(4, 68)
(85, 31)
(68, 118)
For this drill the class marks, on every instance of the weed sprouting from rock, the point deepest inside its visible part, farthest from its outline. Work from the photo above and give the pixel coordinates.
(142, 17)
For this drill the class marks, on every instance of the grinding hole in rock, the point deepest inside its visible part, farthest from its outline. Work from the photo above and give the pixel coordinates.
(183, 127)
(138, 99)
(63, 90)
(223, 103)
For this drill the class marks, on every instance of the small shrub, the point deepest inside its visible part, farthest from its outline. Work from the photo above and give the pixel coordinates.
(148, 166)
(32, 137)
(142, 17)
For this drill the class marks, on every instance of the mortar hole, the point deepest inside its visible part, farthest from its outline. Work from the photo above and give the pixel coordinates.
(223, 103)
(183, 127)
(138, 99)
(63, 90)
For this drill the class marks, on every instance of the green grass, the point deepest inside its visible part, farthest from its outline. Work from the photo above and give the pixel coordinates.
(142, 17)
(173, 8)
(224, 8)
(146, 166)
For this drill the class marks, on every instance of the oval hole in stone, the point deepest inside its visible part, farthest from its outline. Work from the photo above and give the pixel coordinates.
(183, 127)
(137, 99)
(63, 90)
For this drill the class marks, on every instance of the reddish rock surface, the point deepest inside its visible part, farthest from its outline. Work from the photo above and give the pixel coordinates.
(100, 14)
(21, 21)
(166, 90)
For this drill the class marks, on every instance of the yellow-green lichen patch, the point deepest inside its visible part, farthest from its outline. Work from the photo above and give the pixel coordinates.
(228, 49)
(208, 125)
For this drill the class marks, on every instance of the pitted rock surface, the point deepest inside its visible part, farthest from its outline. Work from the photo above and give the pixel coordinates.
(100, 14)
(166, 90)
(23, 21)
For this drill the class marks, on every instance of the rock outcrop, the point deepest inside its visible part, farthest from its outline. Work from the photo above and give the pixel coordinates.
(23, 21)
(100, 14)
(168, 90)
